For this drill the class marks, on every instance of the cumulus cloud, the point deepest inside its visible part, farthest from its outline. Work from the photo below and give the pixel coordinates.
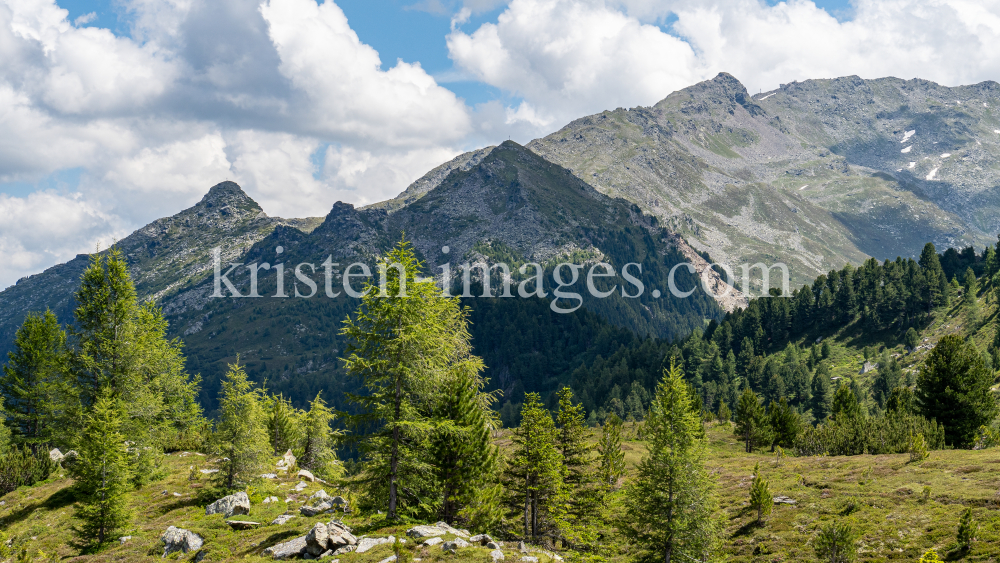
(567, 58)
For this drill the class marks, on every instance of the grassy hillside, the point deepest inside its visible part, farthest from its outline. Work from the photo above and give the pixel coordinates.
(900, 509)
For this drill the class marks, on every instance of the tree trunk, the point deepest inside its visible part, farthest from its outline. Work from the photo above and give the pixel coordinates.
(394, 458)
(534, 515)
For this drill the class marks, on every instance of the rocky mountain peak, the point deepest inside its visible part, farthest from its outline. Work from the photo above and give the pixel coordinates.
(724, 90)
(227, 194)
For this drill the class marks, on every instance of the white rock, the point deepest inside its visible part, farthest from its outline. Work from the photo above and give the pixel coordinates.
(238, 503)
(389, 559)
(280, 520)
(178, 539)
(306, 475)
(433, 541)
(364, 544)
(496, 555)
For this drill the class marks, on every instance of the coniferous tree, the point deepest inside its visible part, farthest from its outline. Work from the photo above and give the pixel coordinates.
(534, 472)
(751, 421)
(760, 495)
(845, 404)
(318, 455)
(670, 505)
(822, 393)
(464, 457)
(609, 448)
(911, 339)
(836, 543)
(785, 424)
(102, 472)
(240, 437)
(406, 340)
(284, 424)
(33, 385)
(121, 346)
(577, 457)
(953, 386)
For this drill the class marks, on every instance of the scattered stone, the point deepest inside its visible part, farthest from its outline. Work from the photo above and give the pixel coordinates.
(450, 530)
(238, 503)
(177, 495)
(454, 544)
(343, 550)
(281, 520)
(300, 486)
(521, 547)
(287, 550)
(310, 511)
(269, 500)
(317, 539)
(496, 555)
(529, 559)
(339, 501)
(208, 471)
(783, 500)
(269, 476)
(124, 539)
(389, 559)
(321, 496)
(422, 531)
(242, 524)
(481, 539)
(55, 455)
(364, 544)
(493, 545)
(306, 475)
(433, 541)
(178, 539)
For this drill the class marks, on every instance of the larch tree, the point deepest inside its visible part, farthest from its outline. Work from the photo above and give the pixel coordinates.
(405, 340)
(670, 506)
(582, 493)
(240, 437)
(284, 424)
(318, 438)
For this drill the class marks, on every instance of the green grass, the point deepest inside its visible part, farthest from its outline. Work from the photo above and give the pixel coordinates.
(881, 496)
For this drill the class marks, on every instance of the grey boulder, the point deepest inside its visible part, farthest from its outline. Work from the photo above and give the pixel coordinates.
(238, 503)
(179, 539)
(288, 549)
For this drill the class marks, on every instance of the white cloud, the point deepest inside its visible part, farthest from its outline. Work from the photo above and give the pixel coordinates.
(348, 95)
(567, 58)
(46, 228)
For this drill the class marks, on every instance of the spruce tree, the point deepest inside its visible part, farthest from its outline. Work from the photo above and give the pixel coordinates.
(34, 385)
(102, 472)
(953, 386)
(845, 404)
(610, 451)
(240, 436)
(406, 340)
(669, 508)
(318, 437)
(534, 477)
(889, 377)
(911, 339)
(751, 421)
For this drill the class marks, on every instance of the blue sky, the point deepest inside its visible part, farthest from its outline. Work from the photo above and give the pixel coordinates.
(111, 120)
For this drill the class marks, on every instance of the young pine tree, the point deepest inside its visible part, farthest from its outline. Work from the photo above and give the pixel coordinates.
(760, 495)
(33, 385)
(670, 505)
(102, 473)
(751, 421)
(785, 424)
(609, 449)
(318, 455)
(953, 386)
(240, 436)
(845, 404)
(836, 543)
(405, 341)
(534, 477)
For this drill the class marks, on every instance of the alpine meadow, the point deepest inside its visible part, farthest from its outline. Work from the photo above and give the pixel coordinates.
(724, 326)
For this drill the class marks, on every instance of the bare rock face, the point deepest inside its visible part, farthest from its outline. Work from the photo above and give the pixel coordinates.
(179, 539)
(238, 503)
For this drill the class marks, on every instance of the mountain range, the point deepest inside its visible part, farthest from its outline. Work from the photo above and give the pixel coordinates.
(814, 174)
